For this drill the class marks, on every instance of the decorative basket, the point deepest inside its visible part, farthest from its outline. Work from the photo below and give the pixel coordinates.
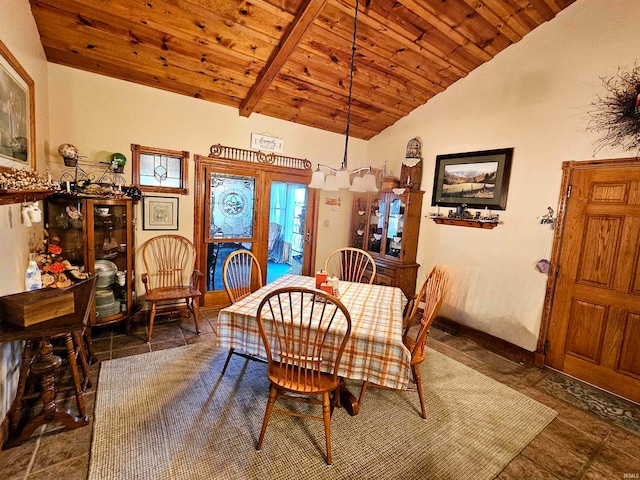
(390, 182)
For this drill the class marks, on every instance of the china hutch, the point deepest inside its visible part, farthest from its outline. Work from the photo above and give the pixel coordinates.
(386, 224)
(97, 236)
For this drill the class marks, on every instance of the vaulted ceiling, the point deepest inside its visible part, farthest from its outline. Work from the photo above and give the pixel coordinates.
(290, 59)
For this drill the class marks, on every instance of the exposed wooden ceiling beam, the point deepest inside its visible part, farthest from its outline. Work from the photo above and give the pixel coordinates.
(301, 23)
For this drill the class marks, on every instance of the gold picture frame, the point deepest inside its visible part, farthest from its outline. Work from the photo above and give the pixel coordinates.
(17, 113)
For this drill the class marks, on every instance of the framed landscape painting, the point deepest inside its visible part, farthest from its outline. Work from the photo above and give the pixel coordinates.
(476, 179)
(17, 118)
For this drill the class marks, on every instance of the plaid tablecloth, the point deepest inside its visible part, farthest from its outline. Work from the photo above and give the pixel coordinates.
(374, 352)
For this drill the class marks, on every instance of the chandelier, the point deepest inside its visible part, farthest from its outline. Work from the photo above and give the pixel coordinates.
(340, 178)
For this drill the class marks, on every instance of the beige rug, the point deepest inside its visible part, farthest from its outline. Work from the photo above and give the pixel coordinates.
(168, 415)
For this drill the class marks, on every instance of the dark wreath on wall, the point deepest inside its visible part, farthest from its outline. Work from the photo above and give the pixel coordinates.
(617, 114)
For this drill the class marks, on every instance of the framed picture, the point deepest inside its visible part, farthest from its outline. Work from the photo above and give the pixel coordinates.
(17, 113)
(477, 179)
(160, 213)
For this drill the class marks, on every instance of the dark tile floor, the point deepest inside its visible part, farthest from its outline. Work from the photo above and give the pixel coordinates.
(594, 436)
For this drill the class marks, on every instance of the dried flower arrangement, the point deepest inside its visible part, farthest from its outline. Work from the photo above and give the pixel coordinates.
(618, 113)
(18, 179)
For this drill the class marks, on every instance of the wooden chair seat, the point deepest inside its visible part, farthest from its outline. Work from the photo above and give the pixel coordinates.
(326, 383)
(162, 294)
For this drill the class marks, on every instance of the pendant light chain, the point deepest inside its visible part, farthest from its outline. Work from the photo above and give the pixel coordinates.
(353, 54)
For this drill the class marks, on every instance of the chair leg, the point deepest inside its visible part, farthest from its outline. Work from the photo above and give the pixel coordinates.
(273, 394)
(151, 318)
(224, 369)
(418, 380)
(82, 356)
(75, 375)
(192, 305)
(363, 389)
(326, 414)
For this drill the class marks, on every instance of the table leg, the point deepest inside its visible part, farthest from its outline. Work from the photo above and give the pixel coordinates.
(347, 399)
(45, 366)
(16, 408)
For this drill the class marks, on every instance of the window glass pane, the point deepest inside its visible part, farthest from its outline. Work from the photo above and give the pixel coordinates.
(160, 170)
(231, 206)
(217, 253)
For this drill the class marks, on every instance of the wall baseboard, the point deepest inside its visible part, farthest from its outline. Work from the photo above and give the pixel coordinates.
(497, 345)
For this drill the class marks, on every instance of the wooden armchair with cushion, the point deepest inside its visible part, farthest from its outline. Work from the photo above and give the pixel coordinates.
(351, 264)
(432, 293)
(171, 275)
(304, 333)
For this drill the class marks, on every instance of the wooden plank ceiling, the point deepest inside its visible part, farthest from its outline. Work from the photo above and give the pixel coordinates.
(290, 59)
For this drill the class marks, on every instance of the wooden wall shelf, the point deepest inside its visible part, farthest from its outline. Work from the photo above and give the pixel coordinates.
(464, 222)
(19, 196)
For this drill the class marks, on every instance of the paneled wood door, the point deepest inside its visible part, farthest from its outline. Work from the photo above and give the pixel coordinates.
(594, 331)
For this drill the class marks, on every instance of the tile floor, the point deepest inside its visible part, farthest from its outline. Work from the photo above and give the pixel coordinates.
(585, 441)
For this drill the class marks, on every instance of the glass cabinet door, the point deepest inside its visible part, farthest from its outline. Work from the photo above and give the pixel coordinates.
(376, 225)
(110, 256)
(359, 222)
(395, 227)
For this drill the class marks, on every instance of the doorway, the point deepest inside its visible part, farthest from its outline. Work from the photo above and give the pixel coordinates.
(591, 324)
(259, 206)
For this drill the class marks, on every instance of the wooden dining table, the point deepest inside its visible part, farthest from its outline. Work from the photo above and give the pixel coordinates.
(374, 352)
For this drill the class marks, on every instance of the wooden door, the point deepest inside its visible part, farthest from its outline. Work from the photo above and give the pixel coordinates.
(232, 211)
(594, 331)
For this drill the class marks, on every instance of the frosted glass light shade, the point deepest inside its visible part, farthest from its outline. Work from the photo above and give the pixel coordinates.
(369, 181)
(358, 185)
(342, 177)
(317, 179)
(331, 184)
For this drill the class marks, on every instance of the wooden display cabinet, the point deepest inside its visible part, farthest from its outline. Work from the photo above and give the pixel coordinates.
(386, 224)
(97, 235)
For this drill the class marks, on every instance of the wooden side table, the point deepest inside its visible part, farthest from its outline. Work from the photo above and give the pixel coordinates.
(40, 363)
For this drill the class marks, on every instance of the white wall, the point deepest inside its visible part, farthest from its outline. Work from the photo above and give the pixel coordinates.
(18, 32)
(534, 97)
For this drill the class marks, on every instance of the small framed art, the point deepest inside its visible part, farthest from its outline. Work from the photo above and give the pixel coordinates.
(160, 213)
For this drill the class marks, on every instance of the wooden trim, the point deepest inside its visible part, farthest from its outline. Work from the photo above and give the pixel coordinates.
(136, 150)
(494, 344)
(233, 154)
(303, 20)
(26, 78)
(4, 431)
(568, 167)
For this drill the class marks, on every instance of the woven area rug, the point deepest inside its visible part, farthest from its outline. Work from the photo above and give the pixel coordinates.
(169, 415)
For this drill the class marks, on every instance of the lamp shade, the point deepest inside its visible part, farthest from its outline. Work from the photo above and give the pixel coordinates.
(369, 181)
(331, 183)
(342, 178)
(358, 185)
(317, 179)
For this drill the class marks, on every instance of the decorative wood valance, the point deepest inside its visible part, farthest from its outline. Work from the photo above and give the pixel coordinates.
(256, 156)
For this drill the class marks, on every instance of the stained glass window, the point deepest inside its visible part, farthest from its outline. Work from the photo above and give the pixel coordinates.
(159, 170)
(231, 207)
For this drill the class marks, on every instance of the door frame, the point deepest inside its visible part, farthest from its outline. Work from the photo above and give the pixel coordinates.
(565, 193)
(264, 167)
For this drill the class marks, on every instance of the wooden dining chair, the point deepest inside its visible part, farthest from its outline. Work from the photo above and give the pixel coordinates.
(351, 264)
(241, 275)
(304, 333)
(171, 276)
(432, 294)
